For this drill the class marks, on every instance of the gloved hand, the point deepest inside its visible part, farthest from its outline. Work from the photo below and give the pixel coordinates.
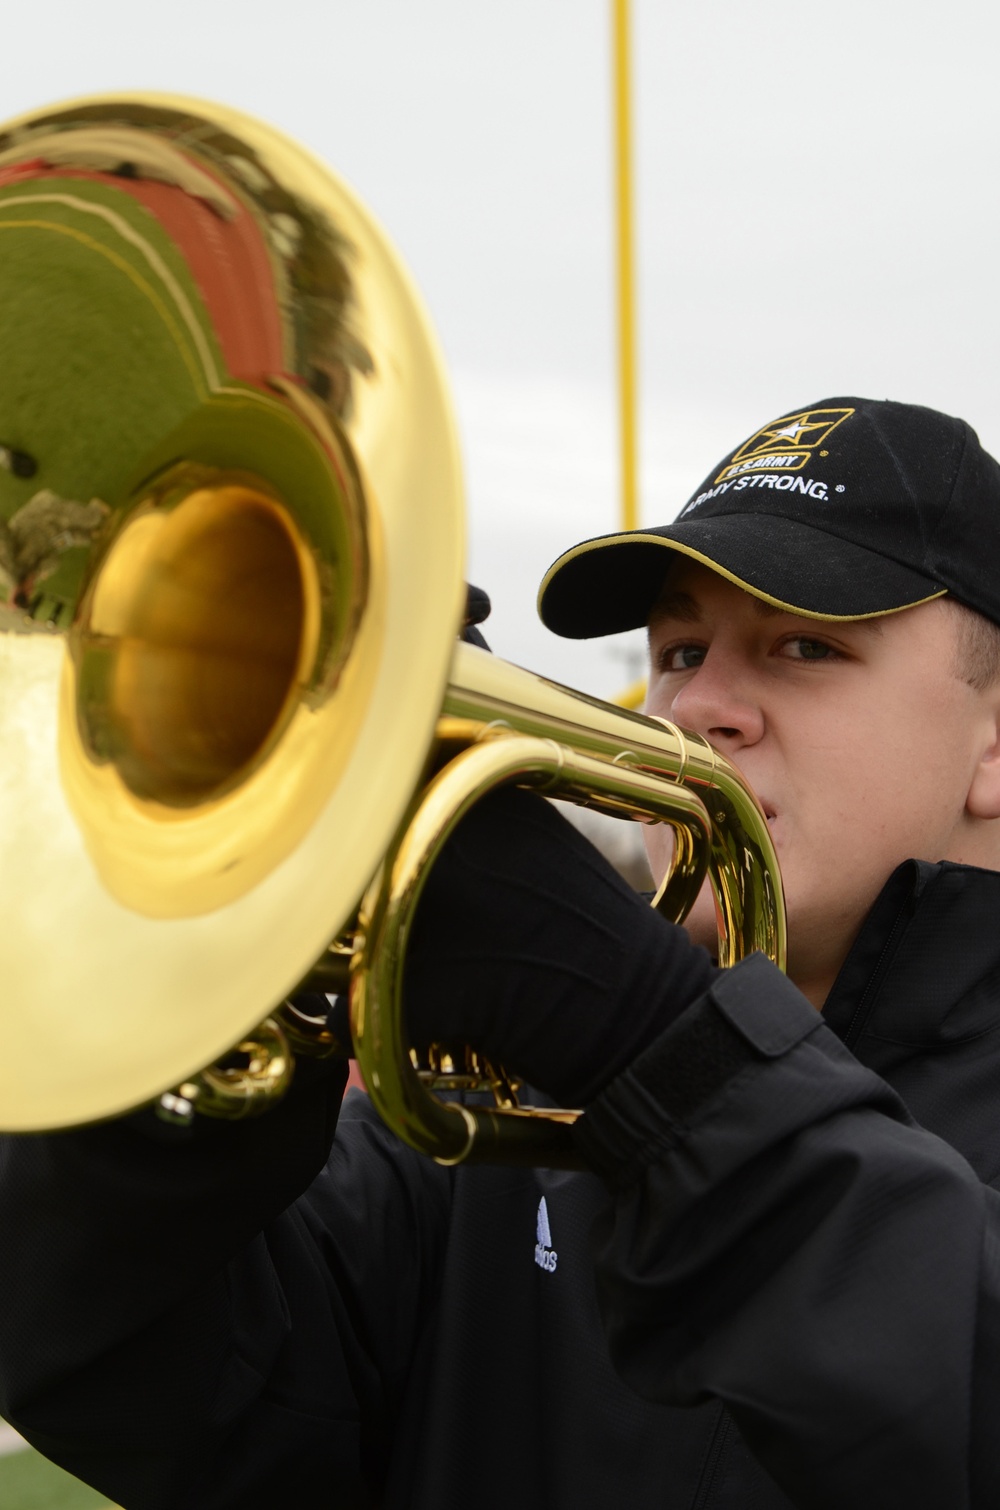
(529, 946)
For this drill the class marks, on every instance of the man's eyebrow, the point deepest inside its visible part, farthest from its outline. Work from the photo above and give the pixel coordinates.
(765, 610)
(685, 609)
(675, 605)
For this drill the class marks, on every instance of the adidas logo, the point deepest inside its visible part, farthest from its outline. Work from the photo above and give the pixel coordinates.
(545, 1255)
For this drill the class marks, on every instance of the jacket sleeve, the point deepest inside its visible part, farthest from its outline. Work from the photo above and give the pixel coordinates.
(218, 1323)
(786, 1239)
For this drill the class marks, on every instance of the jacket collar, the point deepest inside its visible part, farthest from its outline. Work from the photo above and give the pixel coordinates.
(924, 972)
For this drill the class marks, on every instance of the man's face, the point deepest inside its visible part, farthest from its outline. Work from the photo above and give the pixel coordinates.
(860, 740)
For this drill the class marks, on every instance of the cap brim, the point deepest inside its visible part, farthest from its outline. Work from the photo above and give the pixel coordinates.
(611, 583)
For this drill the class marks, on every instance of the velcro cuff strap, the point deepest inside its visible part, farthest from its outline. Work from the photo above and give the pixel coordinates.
(752, 1012)
(763, 1006)
(753, 1006)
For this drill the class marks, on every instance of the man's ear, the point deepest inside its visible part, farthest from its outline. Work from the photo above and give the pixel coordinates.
(983, 800)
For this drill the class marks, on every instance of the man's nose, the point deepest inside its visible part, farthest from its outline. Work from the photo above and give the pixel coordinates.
(718, 701)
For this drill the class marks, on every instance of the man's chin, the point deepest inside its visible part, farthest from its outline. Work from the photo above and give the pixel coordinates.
(701, 927)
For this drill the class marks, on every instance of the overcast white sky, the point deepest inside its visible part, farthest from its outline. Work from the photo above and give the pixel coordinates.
(818, 213)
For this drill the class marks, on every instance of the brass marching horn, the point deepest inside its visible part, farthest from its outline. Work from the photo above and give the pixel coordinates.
(233, 718)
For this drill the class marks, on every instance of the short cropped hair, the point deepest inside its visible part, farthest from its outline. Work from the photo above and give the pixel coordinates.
(977, 649)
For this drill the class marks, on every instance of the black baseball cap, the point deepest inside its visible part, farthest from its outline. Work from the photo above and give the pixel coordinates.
(845, 509)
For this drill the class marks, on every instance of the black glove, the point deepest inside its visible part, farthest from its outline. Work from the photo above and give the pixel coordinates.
(477, 611)
(529, 946)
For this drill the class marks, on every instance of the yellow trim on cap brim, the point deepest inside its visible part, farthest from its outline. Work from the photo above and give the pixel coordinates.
(686, 550)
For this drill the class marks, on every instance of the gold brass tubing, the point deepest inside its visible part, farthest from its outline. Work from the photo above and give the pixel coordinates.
(692, 847)
(332, 971)
(244, 1090)
(446, 1132)
(584, 751)
(743, 866)
(450, 1133)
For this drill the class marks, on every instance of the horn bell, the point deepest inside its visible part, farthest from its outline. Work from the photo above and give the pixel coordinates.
(231, 566)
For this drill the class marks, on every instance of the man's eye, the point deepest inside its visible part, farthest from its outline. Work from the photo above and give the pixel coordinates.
(801, 649)
(681, 657)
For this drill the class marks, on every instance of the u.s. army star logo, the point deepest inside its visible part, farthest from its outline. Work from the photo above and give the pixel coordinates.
(786, 444)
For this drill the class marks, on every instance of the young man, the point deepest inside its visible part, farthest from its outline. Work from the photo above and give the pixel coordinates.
(791, 1218)
(786, 650)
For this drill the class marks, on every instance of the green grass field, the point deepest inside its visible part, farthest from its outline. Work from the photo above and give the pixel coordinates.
(30, 1482)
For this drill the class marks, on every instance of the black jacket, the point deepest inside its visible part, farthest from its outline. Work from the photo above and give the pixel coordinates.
(796, 1248)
